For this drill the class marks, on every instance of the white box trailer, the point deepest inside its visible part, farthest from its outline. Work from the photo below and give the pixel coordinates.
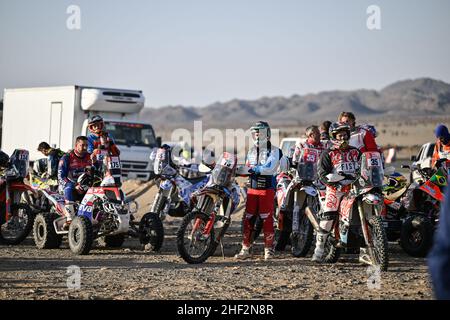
(58, 115)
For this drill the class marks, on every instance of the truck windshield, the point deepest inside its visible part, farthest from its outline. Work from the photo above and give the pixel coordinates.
(131, 133)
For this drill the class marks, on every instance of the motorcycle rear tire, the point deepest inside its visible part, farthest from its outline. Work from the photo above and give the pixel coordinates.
(26, 229)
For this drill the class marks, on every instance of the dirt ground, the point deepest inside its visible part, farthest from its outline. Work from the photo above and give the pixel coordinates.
(133, 273)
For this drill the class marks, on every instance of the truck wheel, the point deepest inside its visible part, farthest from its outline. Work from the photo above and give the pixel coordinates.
(44, 234)
(81, 235)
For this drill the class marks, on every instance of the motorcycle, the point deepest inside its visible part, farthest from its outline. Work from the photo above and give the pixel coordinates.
(300, 193)
(360, 224)
(422, 203)
(203, 228)
(16, 217)
(173, 196)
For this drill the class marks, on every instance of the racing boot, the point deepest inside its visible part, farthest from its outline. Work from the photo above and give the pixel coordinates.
(319, 251)
(70, 213)
(269, 254)
(245, 253)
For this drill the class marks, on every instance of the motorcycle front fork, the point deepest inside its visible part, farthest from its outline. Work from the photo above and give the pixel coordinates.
(365, 227)
(161, 204)
(299, 200)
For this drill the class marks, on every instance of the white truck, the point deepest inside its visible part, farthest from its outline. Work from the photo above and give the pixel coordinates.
(58, 115)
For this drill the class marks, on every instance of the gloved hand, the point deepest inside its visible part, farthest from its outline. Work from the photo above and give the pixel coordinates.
(79, 188)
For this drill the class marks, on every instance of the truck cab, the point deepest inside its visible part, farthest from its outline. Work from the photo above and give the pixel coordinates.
(136, 141)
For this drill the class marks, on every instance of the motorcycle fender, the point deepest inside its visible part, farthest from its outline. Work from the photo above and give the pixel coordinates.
(310, 191)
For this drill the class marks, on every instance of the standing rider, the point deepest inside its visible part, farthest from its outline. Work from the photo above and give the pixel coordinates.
(340, 158)
(312, 143)
(442, 146)
(99, 140)
(263, 159)
(71, 166)
(360, 138)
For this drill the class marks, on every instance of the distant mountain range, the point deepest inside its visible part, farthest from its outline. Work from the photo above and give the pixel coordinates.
(418, 97)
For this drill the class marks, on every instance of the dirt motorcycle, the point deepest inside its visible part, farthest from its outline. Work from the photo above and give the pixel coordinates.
(16, 217)
(300, 193)
(422, 202)
(173, 196)
(360, 224)
(203, 228)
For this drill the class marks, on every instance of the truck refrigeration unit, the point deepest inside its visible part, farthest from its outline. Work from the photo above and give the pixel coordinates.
(58, 115)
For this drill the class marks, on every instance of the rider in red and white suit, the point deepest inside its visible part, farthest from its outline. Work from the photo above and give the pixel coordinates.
(340, 158)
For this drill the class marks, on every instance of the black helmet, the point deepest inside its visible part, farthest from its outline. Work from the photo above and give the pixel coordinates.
(337, 127)
(4, 159)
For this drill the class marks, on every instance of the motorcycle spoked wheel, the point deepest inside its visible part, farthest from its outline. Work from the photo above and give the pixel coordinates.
(192, 245)
(302, 241)
(151, 231)
(380, 243)
(19, 225)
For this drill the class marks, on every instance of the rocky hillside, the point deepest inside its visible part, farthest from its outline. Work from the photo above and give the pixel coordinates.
(422, 96)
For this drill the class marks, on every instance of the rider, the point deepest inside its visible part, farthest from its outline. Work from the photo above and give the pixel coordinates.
(263, 159)
(99, 139)
(340, 158)
(442, 146)
(324, 128)
(360, 138)
(312, 142)
(72, 165)
(53, 155)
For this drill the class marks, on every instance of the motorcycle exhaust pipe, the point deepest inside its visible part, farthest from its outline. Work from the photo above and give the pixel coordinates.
(312, 219)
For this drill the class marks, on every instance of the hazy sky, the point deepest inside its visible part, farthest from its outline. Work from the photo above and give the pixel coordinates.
(196, 52)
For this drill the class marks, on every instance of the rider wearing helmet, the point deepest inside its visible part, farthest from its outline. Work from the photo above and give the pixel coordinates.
(98, 138)
(361, 137)
(442, 146)
(340, 158)
(71, 166)
(263, 159)
(312, 143)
